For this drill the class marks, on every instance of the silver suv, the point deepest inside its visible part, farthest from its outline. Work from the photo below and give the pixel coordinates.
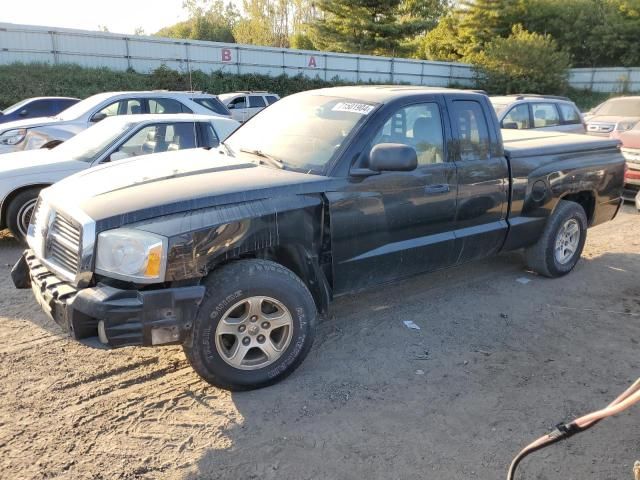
(539, 112)
(244, 105)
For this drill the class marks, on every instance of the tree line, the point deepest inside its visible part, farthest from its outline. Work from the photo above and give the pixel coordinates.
(516, 45)
(594, 33)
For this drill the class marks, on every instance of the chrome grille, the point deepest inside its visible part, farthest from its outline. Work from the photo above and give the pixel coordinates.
(62, 245)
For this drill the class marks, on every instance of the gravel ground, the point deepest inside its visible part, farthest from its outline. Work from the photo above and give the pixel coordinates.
(495, 364)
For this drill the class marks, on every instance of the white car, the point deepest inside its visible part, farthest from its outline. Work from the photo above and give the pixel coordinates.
(24, 174)
(50, 131)
(244, 105)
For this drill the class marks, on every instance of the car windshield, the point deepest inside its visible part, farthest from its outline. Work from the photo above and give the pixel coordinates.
(15, 106)
(80, 108)
(303, 132)
(621, 107)
(92, 142)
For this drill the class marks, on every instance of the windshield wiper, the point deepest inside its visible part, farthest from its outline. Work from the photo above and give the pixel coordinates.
(265, 158)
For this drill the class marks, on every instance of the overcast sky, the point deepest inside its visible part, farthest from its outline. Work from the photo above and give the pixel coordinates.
(119, 16)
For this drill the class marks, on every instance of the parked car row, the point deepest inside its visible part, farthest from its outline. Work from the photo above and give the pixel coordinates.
(39, 127)
(43, 140)
(233, 252)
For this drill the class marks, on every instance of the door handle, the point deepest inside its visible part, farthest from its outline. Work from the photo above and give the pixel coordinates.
(439, 188)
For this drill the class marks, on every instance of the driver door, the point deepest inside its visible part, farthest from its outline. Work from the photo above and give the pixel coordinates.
(395, 224)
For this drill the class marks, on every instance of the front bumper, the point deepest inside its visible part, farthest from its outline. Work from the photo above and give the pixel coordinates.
(117, 317)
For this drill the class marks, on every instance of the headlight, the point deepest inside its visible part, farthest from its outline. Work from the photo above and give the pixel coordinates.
(13, 137)
(624, 126)
(132, 255)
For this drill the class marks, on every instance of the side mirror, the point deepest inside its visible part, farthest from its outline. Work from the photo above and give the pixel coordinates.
(510, 125)
(393, 157)
(98, 117)
(23, 113)
(231, 106)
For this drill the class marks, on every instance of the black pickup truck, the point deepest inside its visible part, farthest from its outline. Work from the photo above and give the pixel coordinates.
(234, 252)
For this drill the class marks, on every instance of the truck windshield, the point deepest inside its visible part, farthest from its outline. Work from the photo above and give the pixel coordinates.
(621, 107)
(303, 132)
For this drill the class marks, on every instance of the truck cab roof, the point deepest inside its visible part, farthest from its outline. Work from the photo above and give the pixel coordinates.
(386, 93)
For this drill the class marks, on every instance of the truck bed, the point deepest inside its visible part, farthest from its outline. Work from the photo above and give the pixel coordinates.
(527, 143)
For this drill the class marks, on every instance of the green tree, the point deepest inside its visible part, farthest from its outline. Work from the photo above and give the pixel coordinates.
(376, 27)
(523, 62)
(210, 20)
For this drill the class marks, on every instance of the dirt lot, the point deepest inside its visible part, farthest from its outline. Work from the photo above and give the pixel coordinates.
(495, 364)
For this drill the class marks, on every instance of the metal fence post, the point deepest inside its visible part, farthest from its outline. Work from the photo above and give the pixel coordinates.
(325, 66)
(238, 60)
(54, 46)
(421, 73)
(126, 49)
(358, 69)
(392, 68)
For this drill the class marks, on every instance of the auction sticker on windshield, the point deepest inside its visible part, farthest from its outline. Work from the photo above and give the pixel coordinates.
(361, 108)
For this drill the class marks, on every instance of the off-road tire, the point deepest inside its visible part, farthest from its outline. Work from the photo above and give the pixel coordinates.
(541, 257)
(15, 212)
(227, 286)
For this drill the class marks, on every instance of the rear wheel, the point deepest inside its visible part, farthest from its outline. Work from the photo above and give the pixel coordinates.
(560, 246)
(19, 212)
(254, 327)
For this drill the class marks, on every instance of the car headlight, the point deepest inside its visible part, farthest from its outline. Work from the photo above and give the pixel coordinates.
(624, 126)
(132, 255)
(13, 137)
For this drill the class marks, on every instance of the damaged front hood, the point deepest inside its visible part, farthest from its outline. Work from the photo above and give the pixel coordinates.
(130, 191)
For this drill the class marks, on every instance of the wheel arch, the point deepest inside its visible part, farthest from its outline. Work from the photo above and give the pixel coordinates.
(585, 198)
(298, 259)
(9, 198)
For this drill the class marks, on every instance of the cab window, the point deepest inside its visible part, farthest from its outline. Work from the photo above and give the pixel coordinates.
(473, 130)
(419, 126)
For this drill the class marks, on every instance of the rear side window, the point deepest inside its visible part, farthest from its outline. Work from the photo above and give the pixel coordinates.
(545, 115)
(166, 105)
(473, 130)
(271, 99)
(570, 114)
(212, 104)
(518, 116)
(256, 101)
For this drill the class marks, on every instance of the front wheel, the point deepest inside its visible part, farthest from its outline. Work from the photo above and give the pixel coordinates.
(254, 327)
(19, 212)
(559, 248)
